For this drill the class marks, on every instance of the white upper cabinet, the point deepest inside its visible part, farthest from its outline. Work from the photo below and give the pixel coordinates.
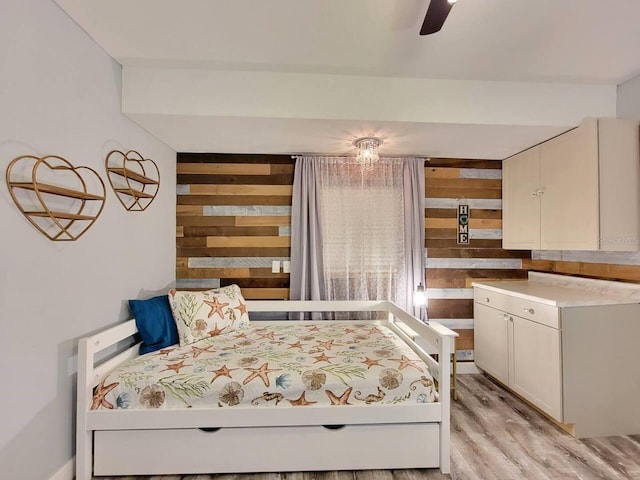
(577, 191)
(569, 202)
(520, 202)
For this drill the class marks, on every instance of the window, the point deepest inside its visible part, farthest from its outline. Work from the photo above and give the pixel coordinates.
(362, 230)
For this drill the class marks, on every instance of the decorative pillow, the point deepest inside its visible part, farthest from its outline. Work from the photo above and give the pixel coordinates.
(154, 320)
(206, 314)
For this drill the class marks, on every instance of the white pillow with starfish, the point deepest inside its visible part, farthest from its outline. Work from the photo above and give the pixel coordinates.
(206, 314)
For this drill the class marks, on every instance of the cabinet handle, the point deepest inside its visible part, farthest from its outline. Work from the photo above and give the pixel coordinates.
(530, 311)
(486, 299)
(505, 317)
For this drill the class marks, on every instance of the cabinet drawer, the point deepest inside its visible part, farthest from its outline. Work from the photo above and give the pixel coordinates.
(538, 312)
(492, 299)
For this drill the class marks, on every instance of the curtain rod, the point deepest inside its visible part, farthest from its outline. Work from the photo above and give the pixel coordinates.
(353, 156)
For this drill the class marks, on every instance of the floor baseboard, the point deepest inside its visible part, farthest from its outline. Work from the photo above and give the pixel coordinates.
(466, 368)
(66, 472)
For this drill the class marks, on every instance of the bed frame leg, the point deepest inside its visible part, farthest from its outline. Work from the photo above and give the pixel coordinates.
(445, 449)
(447, 347)
(84, 437)
(84, 470)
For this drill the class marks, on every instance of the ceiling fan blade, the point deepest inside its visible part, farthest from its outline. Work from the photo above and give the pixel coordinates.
(436, 15)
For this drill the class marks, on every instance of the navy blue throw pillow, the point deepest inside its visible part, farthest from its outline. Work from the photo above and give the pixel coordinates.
(155, 323)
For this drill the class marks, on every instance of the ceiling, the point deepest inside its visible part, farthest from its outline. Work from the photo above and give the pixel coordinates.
(553, 45)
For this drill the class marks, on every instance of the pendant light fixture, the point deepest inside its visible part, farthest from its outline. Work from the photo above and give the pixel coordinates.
(367, 154)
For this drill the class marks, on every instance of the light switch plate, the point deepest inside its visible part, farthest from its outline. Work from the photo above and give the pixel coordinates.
(275, 266)
(286, 266)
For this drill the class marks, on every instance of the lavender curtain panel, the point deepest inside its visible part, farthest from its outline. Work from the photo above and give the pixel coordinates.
(413, 192)
(307, 272)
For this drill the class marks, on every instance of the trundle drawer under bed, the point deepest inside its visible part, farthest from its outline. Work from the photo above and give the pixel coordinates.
(272, 449)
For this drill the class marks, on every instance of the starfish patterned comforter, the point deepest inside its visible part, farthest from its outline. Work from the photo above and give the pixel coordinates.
(273, 365)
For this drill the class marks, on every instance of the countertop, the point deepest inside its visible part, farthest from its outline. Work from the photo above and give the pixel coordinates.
(558, 295)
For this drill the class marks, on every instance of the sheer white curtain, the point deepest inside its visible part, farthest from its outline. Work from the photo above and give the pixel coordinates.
(357, 234)
(363, 230)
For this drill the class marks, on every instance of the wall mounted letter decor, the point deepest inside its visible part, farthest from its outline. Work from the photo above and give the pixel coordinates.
(62, 201)
(463, 224)
(134, 185)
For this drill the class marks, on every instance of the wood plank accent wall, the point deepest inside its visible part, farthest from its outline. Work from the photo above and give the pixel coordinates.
(234, 215)
(233, 220)
(618, 266)
(451, 268)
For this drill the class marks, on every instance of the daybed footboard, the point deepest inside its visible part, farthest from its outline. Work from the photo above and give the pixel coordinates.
(266, 439)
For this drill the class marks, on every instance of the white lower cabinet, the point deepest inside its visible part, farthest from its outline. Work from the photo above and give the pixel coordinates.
(536, 364)
(491, 341)
(522, 354)
(566, 345)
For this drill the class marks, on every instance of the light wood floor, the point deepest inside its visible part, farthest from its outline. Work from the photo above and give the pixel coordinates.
(495, 436)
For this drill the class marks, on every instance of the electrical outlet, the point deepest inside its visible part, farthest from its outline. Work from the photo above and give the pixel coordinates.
(286, 266)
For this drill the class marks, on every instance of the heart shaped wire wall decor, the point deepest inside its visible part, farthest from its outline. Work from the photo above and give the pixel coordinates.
(60, 200)
(134, 179)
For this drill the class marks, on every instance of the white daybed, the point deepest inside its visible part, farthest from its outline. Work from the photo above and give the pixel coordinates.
(245, 439)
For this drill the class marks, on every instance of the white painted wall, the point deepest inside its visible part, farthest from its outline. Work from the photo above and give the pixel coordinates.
(60, 94)
(628, 99)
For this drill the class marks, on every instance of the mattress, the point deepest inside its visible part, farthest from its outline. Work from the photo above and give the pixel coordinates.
(273, 365)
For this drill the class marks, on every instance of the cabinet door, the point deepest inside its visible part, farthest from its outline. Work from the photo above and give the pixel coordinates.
(569, 205)
(520, 202)
(490, 343)
(619, 161)
(536, 366)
